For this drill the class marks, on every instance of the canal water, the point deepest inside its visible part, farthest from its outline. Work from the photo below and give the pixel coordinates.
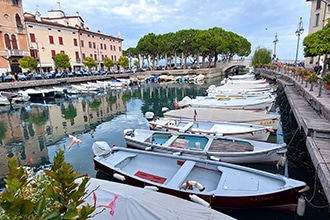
(33, 132)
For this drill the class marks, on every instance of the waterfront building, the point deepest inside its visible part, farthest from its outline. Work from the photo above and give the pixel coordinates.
(60, 33)
(319, 15)
(13, 41)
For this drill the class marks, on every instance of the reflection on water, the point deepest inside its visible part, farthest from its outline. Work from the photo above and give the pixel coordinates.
(27, 130)
(33, 132)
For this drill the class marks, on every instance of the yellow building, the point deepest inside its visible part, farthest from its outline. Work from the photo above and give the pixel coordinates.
(59, 33)
(320, 13)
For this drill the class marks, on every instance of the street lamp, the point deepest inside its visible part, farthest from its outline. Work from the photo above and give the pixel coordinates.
(38, 53)
(299, 31)
(275, 42)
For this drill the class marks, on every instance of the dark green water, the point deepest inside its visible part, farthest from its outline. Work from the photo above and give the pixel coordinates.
(33, 132)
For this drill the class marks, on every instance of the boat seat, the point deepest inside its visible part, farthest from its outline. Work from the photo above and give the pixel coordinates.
(181, 174)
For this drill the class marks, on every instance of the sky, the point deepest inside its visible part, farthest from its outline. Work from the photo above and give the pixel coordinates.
(256, 20)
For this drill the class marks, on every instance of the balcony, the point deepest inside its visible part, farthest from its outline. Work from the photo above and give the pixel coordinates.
(15, 53)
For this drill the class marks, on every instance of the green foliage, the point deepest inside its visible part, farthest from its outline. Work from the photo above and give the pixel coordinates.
(312, 77)
(62, 60)
(90, 62)
(112, 100)
(28, 62)
(52, 195)
(95, 104)
(261, 57)
(123, 61)
(70, 112)
(39, 119)
(3, 131)
(317, 43)
(108, 62)
(326, 79)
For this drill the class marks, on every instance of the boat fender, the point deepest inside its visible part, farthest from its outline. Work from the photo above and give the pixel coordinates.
(178, 153)
(190, 184)
(152, 188)
(301, 205)
(118, 177)
(215, 158)
(149, 148)
(199, 200)
(129, 132)
(282, 161)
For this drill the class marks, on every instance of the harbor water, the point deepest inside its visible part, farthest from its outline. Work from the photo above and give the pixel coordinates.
(34, 131)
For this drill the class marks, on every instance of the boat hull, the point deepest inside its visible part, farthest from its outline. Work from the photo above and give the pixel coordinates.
(285, 200)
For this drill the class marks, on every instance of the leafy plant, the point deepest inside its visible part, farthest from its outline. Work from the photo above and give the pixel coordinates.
(326, 79)
(28, 62)
(52, 195)
(312, 78)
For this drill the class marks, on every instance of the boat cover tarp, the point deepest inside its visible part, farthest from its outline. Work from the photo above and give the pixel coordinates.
(139, 203)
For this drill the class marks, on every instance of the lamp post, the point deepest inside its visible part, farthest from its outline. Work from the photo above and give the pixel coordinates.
(275, 42)
(299, 31)
(38, 53)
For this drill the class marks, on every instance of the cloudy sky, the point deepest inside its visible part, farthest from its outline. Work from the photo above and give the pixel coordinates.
(256, 20)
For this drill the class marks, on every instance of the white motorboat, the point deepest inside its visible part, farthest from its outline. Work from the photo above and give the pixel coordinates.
(232, 150)
(224, 129)
(219, 115)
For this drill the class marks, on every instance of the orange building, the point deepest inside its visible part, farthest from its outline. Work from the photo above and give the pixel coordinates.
(13, 39)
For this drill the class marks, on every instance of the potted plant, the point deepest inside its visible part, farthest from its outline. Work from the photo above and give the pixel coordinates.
(312, 78)
(326, 81)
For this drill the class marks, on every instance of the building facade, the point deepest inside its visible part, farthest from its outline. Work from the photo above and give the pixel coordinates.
(13, 41)
(30, 34)
(319, 15)
(59, 33)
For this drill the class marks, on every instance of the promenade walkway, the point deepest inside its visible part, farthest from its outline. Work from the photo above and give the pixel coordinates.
(312, 113)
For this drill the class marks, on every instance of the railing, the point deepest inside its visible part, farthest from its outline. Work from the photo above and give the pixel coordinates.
(15, 53)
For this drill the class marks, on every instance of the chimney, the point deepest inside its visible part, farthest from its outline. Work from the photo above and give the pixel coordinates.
(59, 5)
(38, 16)
(98, 31)
(119, 36)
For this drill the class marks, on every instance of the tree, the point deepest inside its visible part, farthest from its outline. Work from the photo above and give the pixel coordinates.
(90, 62)
(62, 61)
(123, 61)
(108, 62)
(28, 62)
(261, 56)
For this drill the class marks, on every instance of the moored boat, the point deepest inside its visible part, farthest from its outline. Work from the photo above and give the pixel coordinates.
(222, 185)
(230, 150)
(255, 104)
(40, 93)
(224, 129)
(220, 115)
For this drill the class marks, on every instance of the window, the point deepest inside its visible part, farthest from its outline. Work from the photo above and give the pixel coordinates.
(90, 44)
(318, 4)
(105, 46)
(75, 42)
(101, 46)
(119, 48)
(60, 40)
(7, 42)
(53, 53)
(15, 2)
(32, 38)
(94, 46)
(51, 39)
(84, 56)
(14, 42)
(77, 54)
(110, 47)
(114, 47)
(82, 43)
(317, 19)
(18, 21)
(62, 51)
(95, 57)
